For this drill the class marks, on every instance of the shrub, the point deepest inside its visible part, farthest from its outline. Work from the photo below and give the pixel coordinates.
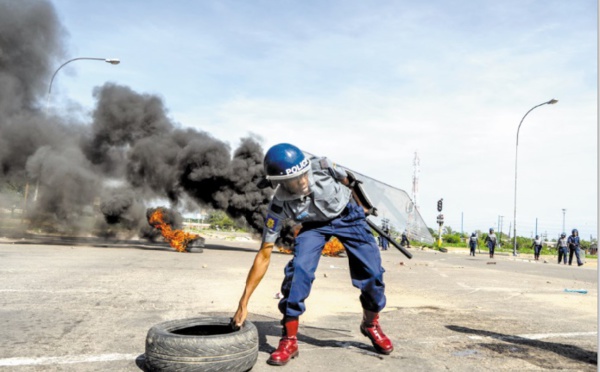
(452, 239)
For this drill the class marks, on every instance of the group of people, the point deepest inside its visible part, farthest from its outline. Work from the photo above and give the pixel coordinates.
(490, 241)
(322, 199)
(384, 243)
(570, 245)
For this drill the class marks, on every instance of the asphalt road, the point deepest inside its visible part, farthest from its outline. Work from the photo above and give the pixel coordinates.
(88, 308)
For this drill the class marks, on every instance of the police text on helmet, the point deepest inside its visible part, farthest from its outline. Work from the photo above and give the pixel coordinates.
(297, 168)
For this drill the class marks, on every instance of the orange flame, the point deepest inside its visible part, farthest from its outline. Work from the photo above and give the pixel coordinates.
(333, 248)
(178, 239)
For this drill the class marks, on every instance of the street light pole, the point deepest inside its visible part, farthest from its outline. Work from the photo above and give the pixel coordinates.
(551, 102)
(500, 228)
(112, 61)
(564, 211)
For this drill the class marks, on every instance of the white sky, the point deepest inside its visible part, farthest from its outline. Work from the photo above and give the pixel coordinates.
(368, 83)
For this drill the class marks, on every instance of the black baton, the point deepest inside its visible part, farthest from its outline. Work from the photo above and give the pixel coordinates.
(386, 236)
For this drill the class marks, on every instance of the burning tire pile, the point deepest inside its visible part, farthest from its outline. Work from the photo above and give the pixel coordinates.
(180, 240)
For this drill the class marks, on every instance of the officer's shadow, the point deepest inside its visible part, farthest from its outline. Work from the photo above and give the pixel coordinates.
(315, 336)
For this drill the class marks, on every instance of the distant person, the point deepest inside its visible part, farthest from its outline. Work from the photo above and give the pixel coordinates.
(473, 242)
(490, 241)
(384, 241)
(562, 248)
(574, 247)
(405, 239)
(537, 247)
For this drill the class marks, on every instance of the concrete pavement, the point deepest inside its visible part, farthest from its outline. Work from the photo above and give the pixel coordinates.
(86, 308)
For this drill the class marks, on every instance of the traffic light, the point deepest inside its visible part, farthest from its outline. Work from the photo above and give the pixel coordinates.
(440, 204)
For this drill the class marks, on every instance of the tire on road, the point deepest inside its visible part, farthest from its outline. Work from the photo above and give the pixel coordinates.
(201, 344)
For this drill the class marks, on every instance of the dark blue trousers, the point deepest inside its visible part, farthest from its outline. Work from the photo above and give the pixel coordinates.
(384, 243)
(491, 247)
(576, 251)
(363, 257)
(562, 254)
(471, 250)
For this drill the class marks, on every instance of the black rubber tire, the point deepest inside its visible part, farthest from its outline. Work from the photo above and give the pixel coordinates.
(201, 344)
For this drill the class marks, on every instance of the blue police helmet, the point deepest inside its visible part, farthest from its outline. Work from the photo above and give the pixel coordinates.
(473, 234)
(491, 229)
(563, 235)
(285, 161)
(574, 231)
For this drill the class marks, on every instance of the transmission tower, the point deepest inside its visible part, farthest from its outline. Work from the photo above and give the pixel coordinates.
(415, 186)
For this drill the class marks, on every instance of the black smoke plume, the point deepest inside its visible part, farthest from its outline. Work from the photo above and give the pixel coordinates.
(94, 176)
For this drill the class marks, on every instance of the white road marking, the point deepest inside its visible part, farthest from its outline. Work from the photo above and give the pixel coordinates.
(70, 359)
(56, 291)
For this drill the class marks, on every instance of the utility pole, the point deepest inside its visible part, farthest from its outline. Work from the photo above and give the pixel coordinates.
(498, 224)
(500, 236)
(564, 211)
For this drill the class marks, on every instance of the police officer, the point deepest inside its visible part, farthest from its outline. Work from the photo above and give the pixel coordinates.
(490, 241)
(314, 192)
(537, 247)
(384, 241)
(562, 247)
(473, 244)
(405, 239)
(574, 246)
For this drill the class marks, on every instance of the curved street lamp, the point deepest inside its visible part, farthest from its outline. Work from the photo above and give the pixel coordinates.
(112, 61)
(551, 102)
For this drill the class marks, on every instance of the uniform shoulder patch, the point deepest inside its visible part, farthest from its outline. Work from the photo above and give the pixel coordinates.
(271, 222)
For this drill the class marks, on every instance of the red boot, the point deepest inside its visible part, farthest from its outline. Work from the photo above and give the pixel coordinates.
(288, 345)
(370, 327)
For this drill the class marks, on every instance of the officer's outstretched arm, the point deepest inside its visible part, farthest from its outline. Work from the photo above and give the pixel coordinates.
(255, 275)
